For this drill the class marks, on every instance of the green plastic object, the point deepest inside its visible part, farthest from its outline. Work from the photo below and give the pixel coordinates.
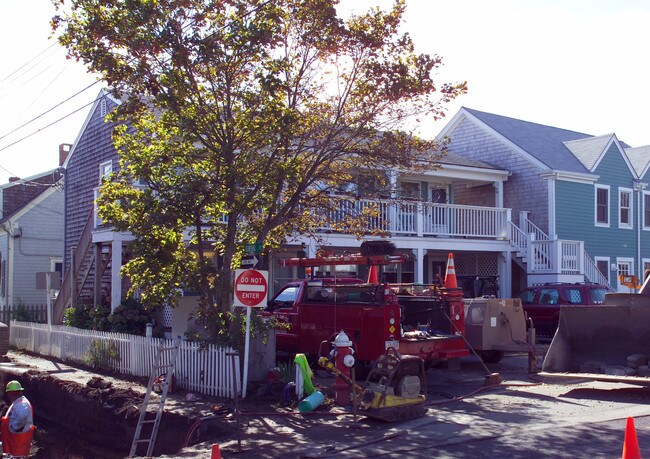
(312, 402)
(301, 361)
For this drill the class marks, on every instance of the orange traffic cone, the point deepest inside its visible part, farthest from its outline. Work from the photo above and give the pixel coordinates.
(450, 276)
(216, 452)
(630, 444)
(373, 275)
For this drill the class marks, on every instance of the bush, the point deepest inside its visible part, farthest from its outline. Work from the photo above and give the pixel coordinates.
(131, 317)
(88, 317)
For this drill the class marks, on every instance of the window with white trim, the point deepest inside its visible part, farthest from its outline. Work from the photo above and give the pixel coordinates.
(105, 170)
(624, 208)
(602, 205)
(646, 210)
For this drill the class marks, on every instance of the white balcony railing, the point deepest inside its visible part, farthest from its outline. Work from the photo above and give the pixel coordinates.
(556, 256)
(422, 218)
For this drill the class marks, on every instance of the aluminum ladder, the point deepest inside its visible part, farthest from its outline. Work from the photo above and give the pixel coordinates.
(159, 368)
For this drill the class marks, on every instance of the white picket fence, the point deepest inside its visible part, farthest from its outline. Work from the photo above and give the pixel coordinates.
(205, 369)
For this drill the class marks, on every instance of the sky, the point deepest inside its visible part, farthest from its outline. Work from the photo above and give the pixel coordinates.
(576, 64)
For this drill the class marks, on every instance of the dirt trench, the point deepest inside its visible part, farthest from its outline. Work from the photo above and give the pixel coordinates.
(96, 420)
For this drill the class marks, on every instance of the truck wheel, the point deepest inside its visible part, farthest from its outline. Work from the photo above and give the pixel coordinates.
(491, 356)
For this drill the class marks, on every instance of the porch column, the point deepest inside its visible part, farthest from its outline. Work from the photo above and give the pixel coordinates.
(498, 194)
(505, 275)
(116, 280)
(419, 265)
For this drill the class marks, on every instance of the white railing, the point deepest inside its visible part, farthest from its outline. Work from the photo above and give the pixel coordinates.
(518, 239)
(540, 256)
(203, 369)
(537, 233)
(570, 256)
(421, 218)
(556, 256)
(593, 274)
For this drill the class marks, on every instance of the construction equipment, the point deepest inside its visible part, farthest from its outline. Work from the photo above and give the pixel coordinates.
(610, 342)
(164, 363)
(394, 389)
(494, 326)
(376, 316)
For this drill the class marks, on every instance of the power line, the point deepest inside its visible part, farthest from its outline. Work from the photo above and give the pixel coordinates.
(29, 61)
(49, 125)
(34, 71)
(48, 111)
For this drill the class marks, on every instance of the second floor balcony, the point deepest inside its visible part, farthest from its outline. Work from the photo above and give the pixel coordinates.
(421, 219)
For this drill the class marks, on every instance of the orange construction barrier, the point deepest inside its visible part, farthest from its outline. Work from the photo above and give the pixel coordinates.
(373, 275)
(450, 276)
(630, 444)
(216, 452)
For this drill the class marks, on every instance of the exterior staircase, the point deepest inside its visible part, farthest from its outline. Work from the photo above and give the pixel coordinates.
(537, 253)
(88, 261)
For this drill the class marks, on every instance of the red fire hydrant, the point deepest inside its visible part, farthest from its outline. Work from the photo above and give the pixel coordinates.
(343, 362)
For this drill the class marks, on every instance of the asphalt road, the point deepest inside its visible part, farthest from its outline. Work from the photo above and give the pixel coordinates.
(523, 417)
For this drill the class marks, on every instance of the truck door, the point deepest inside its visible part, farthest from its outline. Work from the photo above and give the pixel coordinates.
(285, 308)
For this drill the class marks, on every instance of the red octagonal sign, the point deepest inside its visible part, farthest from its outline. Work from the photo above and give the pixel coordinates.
(251, 287)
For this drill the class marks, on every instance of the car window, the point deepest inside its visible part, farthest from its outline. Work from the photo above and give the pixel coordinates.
(597, 295)
(548, 296)
(527, 296)
(574, 296)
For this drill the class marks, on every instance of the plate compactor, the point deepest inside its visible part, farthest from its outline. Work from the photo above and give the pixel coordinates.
(394, 389)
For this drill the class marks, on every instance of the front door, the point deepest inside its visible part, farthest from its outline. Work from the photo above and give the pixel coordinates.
(625, 267)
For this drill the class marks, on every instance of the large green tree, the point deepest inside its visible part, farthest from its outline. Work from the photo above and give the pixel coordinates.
(240, 115)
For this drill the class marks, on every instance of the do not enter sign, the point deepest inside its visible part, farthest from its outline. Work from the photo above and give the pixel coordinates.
(251, 287)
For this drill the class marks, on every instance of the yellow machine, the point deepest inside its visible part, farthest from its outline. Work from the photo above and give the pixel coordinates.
(394, 389)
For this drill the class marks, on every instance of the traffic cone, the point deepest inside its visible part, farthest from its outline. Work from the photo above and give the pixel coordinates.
(630, 444)
(373, 275)
(216, 452)
(450, 276)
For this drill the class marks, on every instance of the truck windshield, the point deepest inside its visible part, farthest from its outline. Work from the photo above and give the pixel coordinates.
(287, 295)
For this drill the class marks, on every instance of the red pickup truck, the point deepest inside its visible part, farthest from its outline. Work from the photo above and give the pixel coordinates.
(426, 322)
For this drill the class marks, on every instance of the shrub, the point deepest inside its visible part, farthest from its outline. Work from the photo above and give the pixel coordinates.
(131, 317)
(88, 317)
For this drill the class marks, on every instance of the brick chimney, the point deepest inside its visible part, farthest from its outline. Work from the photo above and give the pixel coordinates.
(64, 150)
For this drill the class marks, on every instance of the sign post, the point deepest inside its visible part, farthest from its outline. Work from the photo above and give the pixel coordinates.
(251, 288)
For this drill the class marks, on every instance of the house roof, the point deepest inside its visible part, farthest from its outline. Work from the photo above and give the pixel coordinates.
(640, 159)
(454, 159)
(16, 196)
(545, 143)
(589, 150)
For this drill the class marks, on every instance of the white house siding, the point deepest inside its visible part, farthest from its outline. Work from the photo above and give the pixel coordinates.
(525, 190)
(4, 264)
(41, 242)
